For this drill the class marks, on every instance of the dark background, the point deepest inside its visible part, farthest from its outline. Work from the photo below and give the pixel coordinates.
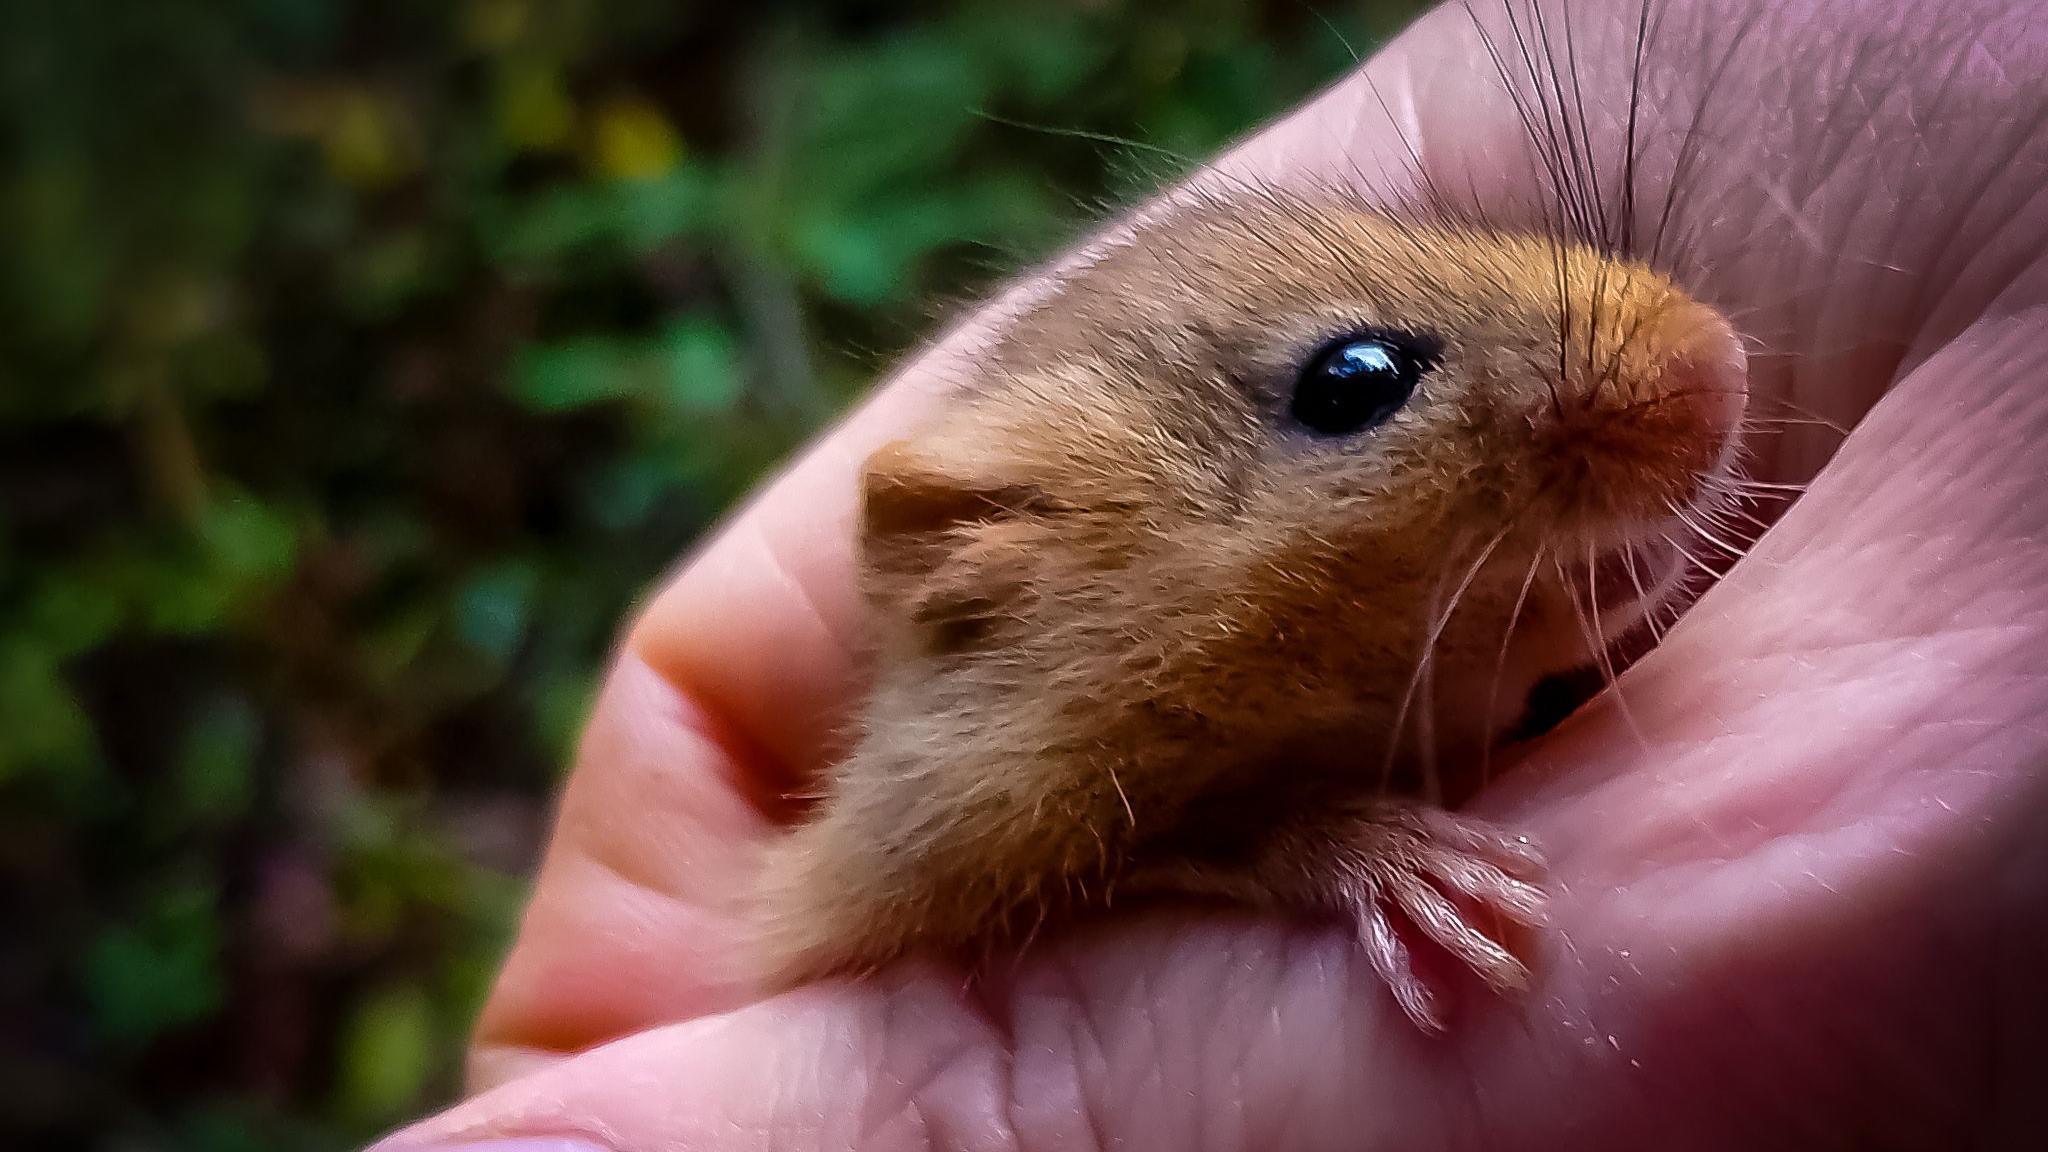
(360, 362)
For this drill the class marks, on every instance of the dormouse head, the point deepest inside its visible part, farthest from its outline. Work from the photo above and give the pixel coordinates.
(1276, 453)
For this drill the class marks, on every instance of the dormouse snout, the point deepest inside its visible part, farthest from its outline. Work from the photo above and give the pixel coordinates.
(1652, 410)
(1705, 371)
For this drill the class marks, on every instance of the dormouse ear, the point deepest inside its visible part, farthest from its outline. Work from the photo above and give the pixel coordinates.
(941, 541)
(930, 485)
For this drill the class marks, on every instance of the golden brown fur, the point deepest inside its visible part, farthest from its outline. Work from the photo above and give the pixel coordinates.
(1133, 627)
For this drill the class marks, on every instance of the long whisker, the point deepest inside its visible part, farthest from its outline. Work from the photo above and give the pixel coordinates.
(1800, 410)
(1564, 577)
(1589, 632)
(1687, 555)
(1590, 167)
(1628, 163)
(1701, 531)
(1606, 654)
(1500, 663)
(1334, 31)
(1789, 422)
(1760, 524)
(1714, 514)
(1429, 649)
(1628, 560)
(1129, 814)
(1425, 723)
(1693, 144)
(1436, 617)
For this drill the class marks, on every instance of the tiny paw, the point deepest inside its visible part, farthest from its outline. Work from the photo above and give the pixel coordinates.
(1466, 886)
(1458, 881)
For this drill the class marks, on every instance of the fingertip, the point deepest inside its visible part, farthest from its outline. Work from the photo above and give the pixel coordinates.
(642, 887)
(761, 632)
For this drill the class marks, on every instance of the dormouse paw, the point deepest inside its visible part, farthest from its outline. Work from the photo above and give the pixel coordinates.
(1457, 880)
(1462, 884)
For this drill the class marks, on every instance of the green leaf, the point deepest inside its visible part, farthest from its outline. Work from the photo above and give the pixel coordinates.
(385, 275)
(570, 374)
(649, 213)
(690, 365)
(215, 765)
(72, 609)
(492, 610)
(64, 265)
(394, 642)
(862, 266)
(181, 599)
(635, 216)
(1046, 53)
(249, 540)
(388, 1051)
(870, 258)
(852, 146)
(620, 494)
(160, 972)
(702, 364)
(244, 548)
(48, 734)
(560, 707)
(538, 229)
(534, 110)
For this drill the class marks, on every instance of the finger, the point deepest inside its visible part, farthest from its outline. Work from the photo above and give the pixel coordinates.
(872, 1068)
(1091, 1051)
(649, 895)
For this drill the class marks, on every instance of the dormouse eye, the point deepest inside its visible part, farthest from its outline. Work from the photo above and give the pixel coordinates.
(1356, 383)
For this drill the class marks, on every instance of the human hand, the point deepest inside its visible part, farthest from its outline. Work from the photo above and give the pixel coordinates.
(1800, 890)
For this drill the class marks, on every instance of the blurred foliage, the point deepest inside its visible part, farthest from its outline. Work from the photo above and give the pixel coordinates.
(360, 360)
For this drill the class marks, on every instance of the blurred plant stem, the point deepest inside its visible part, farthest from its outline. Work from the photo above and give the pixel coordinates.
(177, 478)
(771, 306)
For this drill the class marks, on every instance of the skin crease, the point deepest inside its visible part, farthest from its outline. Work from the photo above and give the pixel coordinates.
(1801, 889)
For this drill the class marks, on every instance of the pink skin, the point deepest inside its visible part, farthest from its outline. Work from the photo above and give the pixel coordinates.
(1808, 906)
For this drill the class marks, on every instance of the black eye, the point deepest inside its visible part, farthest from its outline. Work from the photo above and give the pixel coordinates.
(1359, 381)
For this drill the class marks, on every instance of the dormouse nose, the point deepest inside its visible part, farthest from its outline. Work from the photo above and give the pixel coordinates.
(1664, 415)
(1700, 366)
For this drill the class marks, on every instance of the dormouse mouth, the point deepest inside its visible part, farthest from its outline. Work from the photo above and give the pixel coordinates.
(1628, 595)
(1622, 596)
